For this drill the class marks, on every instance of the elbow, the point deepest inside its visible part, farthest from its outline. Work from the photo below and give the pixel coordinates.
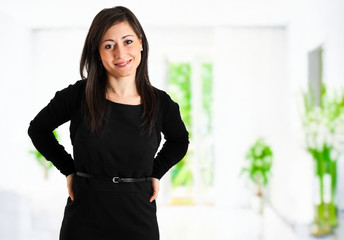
(184, 143)
(186, 147)
(30, 129)
(33, 129)
(183, 147)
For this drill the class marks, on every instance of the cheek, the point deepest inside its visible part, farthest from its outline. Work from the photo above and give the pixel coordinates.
(138, 57)
(102, 56)
(106, 58)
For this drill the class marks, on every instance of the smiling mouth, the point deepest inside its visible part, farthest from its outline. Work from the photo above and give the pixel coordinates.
(123, 64)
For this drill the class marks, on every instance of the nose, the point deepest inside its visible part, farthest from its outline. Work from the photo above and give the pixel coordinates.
(118, 52)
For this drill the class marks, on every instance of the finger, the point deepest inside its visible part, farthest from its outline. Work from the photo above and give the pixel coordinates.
(70, 178)
(154, 196)
(71, 193)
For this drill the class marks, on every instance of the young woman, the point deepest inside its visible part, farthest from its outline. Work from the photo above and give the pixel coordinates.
(117, 118)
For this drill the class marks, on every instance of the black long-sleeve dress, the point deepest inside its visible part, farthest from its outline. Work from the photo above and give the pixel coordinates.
(102, 209)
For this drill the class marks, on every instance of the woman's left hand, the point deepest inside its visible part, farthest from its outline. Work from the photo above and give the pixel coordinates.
(155, 185)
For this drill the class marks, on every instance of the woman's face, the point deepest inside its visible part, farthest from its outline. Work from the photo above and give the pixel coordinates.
(120, 51)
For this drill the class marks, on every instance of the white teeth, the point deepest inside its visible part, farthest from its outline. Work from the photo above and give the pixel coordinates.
(122, 64)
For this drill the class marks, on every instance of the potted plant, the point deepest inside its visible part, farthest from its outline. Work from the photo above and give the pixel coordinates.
(323, 124)
(259, 157)
(46, 165)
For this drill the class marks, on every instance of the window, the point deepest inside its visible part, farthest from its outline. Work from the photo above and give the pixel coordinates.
(190, 84)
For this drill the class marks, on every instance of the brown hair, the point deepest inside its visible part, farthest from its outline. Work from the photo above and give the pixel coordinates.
(96, 73)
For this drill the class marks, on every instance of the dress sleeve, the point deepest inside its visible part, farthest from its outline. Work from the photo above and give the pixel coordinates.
(59, 110)
(176, 136)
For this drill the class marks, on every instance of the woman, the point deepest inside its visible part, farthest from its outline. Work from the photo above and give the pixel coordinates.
(117, 118)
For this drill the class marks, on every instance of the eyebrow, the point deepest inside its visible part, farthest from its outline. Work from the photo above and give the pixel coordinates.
(111, 40)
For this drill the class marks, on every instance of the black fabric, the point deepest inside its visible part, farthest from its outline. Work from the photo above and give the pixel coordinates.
(104, 210)
(66, 105)
(107, 211)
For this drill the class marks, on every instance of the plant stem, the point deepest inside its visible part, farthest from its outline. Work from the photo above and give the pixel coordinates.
(332, 205)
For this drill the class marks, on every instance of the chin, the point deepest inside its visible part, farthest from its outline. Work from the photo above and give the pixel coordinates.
(121, 75)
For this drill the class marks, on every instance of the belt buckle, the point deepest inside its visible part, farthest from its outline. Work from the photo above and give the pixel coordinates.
(115, 179)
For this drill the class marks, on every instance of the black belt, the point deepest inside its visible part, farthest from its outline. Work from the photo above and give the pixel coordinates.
(115, 179)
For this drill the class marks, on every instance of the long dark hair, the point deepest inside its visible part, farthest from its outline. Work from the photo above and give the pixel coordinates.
(96, 74)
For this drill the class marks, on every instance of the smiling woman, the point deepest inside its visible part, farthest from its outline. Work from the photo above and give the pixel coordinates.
(130, 84)
(120, 51)
(117, 118)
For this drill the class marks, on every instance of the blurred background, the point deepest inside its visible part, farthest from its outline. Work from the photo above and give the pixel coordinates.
(260, 88)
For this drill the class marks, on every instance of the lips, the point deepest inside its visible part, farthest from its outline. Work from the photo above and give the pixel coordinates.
(123, 64)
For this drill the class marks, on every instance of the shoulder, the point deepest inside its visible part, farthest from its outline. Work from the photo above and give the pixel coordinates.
(166, 104)
(164, 98)
(80, 83)
(76, 87)
(72, 91)
(70, 96)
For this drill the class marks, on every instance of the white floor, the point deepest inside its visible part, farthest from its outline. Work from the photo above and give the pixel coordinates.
(205, 222)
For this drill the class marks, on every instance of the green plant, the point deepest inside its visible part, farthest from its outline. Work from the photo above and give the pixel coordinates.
(46, 165)
(323, 124)
(260, 157)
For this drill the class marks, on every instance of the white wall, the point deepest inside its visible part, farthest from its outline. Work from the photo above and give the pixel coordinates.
(15, 93)
(251, 100)
(64, 13)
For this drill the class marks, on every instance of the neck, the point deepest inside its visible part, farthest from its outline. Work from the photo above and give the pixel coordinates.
(122, 87)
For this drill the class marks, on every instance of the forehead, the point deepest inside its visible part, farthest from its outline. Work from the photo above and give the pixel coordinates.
(119, 30)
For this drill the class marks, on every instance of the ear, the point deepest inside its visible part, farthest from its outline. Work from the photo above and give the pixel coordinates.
(141, 44)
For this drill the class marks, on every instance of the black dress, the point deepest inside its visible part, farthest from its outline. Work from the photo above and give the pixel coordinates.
(102, 209)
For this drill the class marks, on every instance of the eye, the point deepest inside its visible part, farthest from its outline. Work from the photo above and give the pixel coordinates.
(108, 46)
(129, 42)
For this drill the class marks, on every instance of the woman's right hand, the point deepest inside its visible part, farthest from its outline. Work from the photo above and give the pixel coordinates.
(70, 179)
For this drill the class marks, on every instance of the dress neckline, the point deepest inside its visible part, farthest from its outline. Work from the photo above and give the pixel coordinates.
(123, 104)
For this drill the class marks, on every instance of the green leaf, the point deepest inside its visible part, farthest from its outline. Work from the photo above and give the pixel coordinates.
(260, 157)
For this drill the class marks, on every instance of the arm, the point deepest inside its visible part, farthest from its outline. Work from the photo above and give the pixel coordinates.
(176, 136)
(59, 110)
